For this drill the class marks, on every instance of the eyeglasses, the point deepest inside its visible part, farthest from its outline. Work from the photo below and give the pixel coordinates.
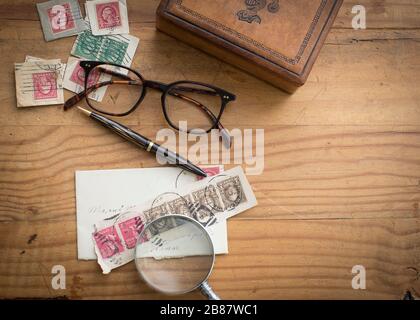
(116, 90)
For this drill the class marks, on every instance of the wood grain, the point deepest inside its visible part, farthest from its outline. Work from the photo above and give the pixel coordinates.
(267, 259)
(341, 184)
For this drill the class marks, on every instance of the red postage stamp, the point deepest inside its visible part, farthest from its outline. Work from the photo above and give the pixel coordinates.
(108, 15)
(61, 18)
(130, 230)
(211, 171)
(45, 85)
(108, 242)
(78, 76)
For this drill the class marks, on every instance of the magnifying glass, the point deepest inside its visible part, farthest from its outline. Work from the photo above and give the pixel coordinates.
(175, 255)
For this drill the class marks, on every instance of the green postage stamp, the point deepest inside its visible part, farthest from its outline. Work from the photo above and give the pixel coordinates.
(118, 49)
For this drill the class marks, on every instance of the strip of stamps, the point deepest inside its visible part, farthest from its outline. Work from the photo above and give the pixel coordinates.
(210, 201)
(108, 17)
(60, 18)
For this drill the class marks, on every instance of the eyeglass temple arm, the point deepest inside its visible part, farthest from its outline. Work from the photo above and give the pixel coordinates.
(157, 85)
(116, 74)
(162, 87)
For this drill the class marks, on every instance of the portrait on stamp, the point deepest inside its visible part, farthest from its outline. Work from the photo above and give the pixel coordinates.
(45, 85)
(179, 206)
(108, 15)
(78, 76)
(108, 242)
(130, 229)
(231, 192)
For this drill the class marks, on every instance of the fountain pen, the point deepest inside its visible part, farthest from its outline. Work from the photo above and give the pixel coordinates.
(144, 143)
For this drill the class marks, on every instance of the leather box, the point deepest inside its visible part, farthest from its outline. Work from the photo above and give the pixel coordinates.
(275, 40)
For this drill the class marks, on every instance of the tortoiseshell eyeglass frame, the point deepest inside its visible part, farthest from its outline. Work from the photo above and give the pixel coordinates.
(166, 89)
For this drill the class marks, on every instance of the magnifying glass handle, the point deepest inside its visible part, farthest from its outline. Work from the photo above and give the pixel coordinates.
(208, 292)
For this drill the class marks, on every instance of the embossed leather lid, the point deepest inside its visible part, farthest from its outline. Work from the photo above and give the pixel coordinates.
(285, 33)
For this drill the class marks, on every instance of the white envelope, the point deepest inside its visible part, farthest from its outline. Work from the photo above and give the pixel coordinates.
(103, 194)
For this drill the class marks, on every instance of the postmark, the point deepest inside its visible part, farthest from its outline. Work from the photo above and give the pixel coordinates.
(61, 18)
(114, 51)
(203, 214)
(130, 230)
(180, 206)
(208, 197)
(108, 242)
(108, 15)
(45, 85)
(161, 226)
(155, 212)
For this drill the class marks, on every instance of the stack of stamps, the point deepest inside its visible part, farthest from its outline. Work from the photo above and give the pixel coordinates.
(101, 36)
(39, 82)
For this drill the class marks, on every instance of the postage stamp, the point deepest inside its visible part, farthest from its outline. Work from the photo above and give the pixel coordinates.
(114, 51)
(61, 18)
(155, 212)
(130, 229)
(208, 197)
(108, 15)
(108, 242)
(231, 192)
(179, 206)
(162, 226)
(203, 214)
(78, 76)
(45, 85)
(211, 171)
(74, 79)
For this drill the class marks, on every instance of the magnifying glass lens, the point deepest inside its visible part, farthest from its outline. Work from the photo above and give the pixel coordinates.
(174, 254)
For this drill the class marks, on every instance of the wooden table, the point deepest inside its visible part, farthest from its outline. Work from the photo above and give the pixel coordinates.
(341, 185)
